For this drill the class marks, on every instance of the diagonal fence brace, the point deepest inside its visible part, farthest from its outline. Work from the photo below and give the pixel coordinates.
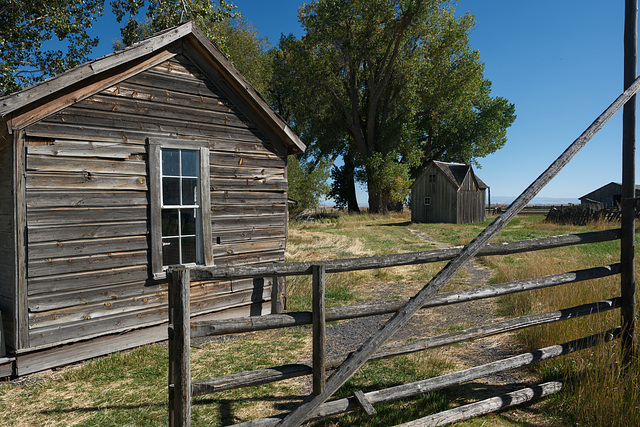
(360, 356)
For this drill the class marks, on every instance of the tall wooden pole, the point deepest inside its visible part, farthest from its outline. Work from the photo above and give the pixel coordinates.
(627, 275)
(179, 347)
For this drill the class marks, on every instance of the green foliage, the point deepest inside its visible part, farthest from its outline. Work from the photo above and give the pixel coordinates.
(27, 30)
(307, 184)
(392, 83)
(163, 14)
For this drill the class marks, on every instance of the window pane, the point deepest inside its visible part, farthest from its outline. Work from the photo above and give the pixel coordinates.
(170, 191)
(170, 251)
(188, 250)
(188, 217)
(170, 162)
(169, 222)
(190, 163)
(189, 191)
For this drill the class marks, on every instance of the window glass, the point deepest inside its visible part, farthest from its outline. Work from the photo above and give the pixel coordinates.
(170, 191)
(181, 236)
(170, 222)
(189, 191)
(189, 250)
(171, 251)
(188, 221)
(190, 163)
(170, 162)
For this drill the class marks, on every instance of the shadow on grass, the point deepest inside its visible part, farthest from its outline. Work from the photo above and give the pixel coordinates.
(391, 224)
(392, 413)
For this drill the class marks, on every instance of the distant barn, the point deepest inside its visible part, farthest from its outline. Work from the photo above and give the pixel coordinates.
(156, 155)
(448, 192)
(607, 196)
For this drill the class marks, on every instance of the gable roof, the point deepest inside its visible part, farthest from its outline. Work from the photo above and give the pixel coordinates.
(84, 80)
(457, 172)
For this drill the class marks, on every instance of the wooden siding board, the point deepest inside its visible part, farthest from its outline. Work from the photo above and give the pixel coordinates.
(88, 279)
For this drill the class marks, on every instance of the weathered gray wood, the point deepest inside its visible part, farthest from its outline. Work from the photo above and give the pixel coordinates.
(66, 232)
(179, 348)
(20, 221)
(366, 406)
(382, 307)
(627, 241)
(339, 406)
(54, 163)
(391, 260)
(278, 373)
(74, 148)
(66, 96)
(62, 216)
(76, 281)
(319, 329)
(152, 109)
(71, 248)
(7, 238)
(205, 203)
(487, 406)
(55, 266)
(402, 316)
(84, 180)
(64, 198)
(7, 367)
(277, 295)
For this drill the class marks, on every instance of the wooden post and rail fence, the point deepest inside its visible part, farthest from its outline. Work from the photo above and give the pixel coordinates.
(182, 329)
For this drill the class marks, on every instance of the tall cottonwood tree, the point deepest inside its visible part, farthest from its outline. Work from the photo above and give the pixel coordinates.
(392, 83)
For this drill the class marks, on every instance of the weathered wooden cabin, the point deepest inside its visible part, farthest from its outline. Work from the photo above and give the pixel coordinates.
(607, 196)
(448, 192)
(156, 155)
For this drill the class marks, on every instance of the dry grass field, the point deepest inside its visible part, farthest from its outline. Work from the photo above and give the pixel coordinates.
(129, 388)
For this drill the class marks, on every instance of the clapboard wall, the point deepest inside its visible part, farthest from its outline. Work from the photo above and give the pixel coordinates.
(87, 203)
(471, 202)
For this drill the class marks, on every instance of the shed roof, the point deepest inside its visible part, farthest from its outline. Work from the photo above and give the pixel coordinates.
(457, 172)
(88, 74)
(619, 184)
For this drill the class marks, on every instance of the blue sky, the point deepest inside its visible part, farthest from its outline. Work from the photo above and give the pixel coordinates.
(559, 62)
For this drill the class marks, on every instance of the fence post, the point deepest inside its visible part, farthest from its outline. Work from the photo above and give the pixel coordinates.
(319, 329)
(627, 273)
(277, 295)
(179, 347)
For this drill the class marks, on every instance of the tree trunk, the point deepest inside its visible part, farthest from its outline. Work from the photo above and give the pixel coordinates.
(350, 182)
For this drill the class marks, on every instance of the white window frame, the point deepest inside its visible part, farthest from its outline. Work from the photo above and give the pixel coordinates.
(155, 146)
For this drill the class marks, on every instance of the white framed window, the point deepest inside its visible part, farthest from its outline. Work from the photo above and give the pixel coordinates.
(427, 201)
(181, 210)
(180, 205)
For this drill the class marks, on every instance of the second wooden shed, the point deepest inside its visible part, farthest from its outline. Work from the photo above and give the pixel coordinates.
(156, 155)
(448, 192)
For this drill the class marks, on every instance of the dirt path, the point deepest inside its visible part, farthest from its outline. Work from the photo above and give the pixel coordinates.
(349, 335)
